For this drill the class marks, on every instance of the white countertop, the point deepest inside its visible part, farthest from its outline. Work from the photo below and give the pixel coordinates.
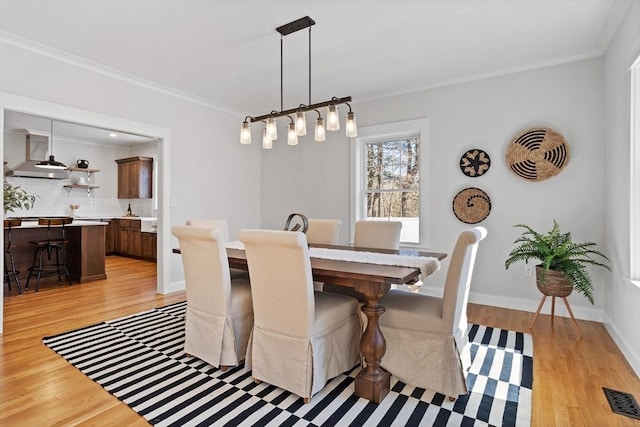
(89, 218)
(34, 224)
(149, 223)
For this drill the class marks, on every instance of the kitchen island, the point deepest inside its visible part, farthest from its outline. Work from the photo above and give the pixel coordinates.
(85, 250)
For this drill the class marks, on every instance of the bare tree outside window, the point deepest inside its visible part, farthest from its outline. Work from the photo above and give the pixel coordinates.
(393, 179)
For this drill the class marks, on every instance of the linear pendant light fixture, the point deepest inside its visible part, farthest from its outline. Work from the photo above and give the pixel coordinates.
(51, 163)
(298, 126)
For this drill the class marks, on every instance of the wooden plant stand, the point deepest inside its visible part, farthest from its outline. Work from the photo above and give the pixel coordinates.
(553, 307)
(555, 285)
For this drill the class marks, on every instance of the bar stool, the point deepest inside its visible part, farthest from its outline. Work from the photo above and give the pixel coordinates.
(51, 244)
(10, 271)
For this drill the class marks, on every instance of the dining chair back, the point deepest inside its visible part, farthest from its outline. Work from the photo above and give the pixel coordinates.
(323, 231)
(427, 342)
(219, 316)
(377, 234)
(221, 224)
(458, 283)
(300, 338)
(212, 223)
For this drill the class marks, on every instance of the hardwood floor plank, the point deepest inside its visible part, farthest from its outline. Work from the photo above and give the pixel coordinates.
(37, 387)
(569, 373)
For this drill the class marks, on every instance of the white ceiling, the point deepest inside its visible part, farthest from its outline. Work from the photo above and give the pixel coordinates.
(227, 53)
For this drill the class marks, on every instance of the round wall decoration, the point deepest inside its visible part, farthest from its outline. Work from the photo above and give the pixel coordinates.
(475, 162)
(471, 205)
(538, 154)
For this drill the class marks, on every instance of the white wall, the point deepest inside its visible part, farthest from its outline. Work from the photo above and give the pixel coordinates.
(623, 298)
(211, 174)
(312, 178)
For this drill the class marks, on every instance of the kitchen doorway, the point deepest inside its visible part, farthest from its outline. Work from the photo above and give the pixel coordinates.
(52, 111)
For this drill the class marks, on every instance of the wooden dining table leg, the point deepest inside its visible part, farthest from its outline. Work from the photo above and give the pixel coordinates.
(373, 382)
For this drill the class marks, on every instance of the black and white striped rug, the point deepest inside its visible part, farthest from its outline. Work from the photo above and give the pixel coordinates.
(139, 359)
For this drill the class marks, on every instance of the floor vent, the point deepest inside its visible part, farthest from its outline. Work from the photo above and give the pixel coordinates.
(622, 403)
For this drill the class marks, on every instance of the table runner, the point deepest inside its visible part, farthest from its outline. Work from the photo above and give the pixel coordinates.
(427, 265)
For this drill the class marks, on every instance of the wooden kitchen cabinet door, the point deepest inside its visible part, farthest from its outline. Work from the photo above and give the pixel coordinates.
(135, 178)
(111, 232)
(149, 245)
(128, 240)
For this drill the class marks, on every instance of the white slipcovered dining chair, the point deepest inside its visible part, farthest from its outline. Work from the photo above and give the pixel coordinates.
(300, 338)
(427, 336)
(374, 235)
(377, 234)
(220, 223)
(323, 231)
(219, 316)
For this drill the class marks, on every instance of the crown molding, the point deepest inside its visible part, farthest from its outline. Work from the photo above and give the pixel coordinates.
(77, 61)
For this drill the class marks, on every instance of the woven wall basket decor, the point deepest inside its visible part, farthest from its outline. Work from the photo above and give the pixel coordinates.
(538, 154)
(475, 162)
(471, 205)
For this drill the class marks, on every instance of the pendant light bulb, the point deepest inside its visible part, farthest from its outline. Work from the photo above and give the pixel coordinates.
(320, 132)
(351, 126)
(272, 128)
(267, 142)
(292, 136)
(301, 123)
(245, 133)
(333, 121)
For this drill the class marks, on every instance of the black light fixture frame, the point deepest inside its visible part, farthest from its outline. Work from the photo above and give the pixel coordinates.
(286, 29)
(52, 163)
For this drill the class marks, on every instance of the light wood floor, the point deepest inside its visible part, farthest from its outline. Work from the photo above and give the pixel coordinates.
(38, 388)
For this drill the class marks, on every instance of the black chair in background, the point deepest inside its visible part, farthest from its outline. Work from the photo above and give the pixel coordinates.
(10, 271)
(53, 245)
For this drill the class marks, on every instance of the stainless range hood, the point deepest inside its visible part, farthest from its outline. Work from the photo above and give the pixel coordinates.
(36, 151)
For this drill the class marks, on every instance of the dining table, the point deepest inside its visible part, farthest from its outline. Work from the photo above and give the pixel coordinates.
(370, 279)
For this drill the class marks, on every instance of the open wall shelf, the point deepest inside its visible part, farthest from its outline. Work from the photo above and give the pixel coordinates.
(88, 171)
(89, 188)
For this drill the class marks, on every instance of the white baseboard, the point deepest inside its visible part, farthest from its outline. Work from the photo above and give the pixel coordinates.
(176, 287)
(632, 358)
(584, 313)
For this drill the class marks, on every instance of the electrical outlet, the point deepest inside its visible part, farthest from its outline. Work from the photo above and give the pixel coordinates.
(528, 270)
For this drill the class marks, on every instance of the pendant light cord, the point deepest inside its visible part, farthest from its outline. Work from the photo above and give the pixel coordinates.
(309, 65)
(51, 141)
(282, 70)
(281, 73)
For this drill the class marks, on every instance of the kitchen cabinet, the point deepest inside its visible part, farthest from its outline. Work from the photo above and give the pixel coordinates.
(149, 245)
(111, 231)
(135, 176)
(128, 239)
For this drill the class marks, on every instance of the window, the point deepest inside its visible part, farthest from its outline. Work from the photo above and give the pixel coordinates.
(387, 173)
(392, 177)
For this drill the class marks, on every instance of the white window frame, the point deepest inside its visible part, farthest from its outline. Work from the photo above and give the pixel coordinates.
(386, 132)
(634, 133)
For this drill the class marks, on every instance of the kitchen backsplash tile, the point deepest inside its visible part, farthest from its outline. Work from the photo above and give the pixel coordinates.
(52, 199)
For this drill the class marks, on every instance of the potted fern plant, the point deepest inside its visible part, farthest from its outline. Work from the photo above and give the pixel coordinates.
(563, 263)
(16, 198)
